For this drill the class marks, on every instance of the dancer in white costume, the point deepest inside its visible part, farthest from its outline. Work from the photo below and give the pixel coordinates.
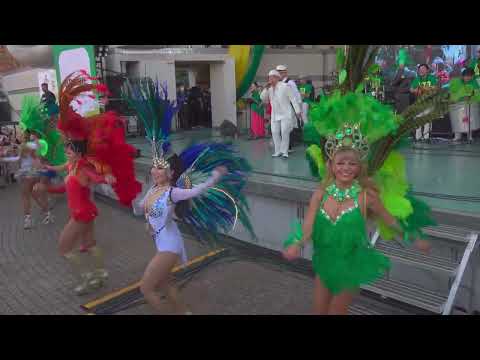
(202, 186)
(158, 206)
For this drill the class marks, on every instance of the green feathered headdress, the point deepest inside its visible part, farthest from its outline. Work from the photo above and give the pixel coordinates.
(326, 117)
(32, 116)
(376, 120)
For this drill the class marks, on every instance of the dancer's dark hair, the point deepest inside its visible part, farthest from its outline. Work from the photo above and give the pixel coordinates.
(177, 168)
(77, 146)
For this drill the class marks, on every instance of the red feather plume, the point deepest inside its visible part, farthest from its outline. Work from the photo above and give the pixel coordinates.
(107, 149)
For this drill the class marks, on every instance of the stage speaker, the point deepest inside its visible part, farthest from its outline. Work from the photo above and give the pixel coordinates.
(5, 113)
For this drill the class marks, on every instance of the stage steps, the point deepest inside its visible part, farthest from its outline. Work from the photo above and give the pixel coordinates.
(417, 296)
(408, 294)
(366, 304)
(362, 310)
(418, 259)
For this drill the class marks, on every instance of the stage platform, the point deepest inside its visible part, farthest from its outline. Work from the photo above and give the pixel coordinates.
(446, 176)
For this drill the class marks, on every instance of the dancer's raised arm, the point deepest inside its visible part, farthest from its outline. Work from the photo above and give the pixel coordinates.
(185, 194)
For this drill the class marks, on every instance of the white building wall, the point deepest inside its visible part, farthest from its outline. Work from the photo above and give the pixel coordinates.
(317, 63)
(19, 84)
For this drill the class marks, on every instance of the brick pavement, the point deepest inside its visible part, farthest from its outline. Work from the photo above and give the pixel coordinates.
(34, 279)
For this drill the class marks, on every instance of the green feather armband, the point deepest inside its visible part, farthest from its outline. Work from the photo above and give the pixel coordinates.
(420, 218)
(295, 237)
(410, 234)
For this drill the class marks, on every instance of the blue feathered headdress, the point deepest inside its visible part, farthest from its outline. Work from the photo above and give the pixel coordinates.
(150, 101)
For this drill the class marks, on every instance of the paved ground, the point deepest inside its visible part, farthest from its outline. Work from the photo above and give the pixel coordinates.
(34, 279)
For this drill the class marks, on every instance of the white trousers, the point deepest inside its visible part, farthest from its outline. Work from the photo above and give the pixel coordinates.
(281, 136)
(305, 112)
(425, 134)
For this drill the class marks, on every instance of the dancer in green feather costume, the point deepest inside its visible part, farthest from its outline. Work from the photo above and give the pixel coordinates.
(35, 122)
(346, 135)
(35, 117)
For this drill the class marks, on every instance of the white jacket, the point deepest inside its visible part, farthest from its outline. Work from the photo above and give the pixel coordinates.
(280, 99)
(295, 90)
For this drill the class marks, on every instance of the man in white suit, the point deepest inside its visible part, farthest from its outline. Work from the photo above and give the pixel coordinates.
(283, 71)
(285, 108)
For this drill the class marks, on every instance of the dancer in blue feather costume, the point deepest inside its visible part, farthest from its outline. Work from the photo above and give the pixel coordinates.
(202, 186)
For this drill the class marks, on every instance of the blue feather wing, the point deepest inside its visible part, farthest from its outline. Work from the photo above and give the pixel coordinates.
(217, 209)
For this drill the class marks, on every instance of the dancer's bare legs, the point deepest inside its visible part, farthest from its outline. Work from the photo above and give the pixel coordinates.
(40, 195)
(69, 238)
(27, 189)
(71, 235)
(89, 245)
(321, 298)
(157, 276)
(340, 303)
(324, 303)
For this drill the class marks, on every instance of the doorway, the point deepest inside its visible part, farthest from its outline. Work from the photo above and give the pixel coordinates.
(131, 68)
(193, 87)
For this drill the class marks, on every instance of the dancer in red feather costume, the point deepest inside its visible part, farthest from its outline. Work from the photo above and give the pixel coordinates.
(97, 153)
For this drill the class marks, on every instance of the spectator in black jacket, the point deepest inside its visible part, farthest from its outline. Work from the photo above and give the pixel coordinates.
(47, 96)
(401, 86)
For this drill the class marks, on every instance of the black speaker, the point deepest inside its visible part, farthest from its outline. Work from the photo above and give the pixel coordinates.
(5, 113)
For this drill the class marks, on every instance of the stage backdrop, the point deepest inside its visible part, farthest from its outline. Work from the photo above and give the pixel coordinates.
(70, 58)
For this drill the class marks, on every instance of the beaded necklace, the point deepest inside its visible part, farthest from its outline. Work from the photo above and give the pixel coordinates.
(340, 195)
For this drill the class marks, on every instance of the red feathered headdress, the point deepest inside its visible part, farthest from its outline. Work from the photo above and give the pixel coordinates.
(104, 133)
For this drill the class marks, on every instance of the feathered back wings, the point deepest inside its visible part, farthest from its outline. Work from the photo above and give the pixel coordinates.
(219, 208)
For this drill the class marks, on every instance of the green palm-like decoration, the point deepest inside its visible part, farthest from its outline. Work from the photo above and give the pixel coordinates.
(353, 64)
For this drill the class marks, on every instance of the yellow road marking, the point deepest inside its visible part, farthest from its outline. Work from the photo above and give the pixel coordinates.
(117, 293)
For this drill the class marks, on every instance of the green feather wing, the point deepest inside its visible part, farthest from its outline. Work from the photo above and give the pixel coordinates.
(391, 180)
(316, 161)
(32, 117)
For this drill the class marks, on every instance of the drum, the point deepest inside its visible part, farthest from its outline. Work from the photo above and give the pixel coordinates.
(458, 116)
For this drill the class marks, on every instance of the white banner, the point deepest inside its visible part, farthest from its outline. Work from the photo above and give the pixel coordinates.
(75, 60)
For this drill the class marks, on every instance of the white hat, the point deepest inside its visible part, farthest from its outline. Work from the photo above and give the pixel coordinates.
(274, 73)
(281, 68)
